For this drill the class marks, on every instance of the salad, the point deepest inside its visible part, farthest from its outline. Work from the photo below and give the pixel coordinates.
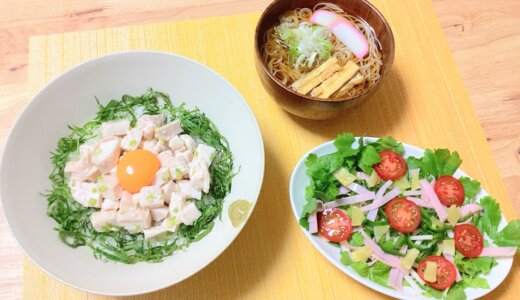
(140, 180)
(405, 221)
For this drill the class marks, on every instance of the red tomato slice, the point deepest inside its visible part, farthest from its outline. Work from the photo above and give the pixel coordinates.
(449, 190)
(392, 165)
(334, 225)
(403, 215)
(446, 272)
(468, 240)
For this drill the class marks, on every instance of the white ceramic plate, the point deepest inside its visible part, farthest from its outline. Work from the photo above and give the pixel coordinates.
(299, 180)
(69, 99)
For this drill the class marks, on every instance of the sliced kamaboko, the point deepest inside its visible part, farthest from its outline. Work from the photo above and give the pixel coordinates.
(166, 158)
(349, 35)
(205, 152)
(151, 197)
(132, 139)
(168, 189)
(103, 221)
(176, 144)
(336, 81)
(189, 214)
(189, 142)
(115, 128)
(134, 220)
(187, 189)
(159, 214)
(106, 154)
(324, 17)
(344, 31)
(199, 175)
(169, 130)
(148, 123)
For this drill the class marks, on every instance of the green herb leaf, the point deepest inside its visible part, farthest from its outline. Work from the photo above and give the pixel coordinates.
(490, 217)
(369, 157)
(509, 235)
(471, 187)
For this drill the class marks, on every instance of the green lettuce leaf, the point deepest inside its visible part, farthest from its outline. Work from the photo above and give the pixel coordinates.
(456, 292)
(440, 162)
(343, 143)
(360, 267)
(476, 282)
(379, 273)
(490, 218)
(510, 235)
(474, 266)
(356, 240)
(369, 157)
(388, 143)
(471, 187)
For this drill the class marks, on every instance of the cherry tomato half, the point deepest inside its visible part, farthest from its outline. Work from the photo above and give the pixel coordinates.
(403, 215)
(334, 225)
(449, 190)
(392, 165)
(446, 272)
(468, 240)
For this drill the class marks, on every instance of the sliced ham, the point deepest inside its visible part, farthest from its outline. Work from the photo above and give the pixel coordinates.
(436, 203)
(349, 200)
(420, 202)
(469, 209)
(343, 190)
(382, 201)
(412, 193)
(356, 188)
(372, 211)
(362, 176)
(388, 259)
(313, 223)
(498, 251)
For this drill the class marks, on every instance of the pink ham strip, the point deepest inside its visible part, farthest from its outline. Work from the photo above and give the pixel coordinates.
(452, 260)
(439, 208)
(399, 281)
(313, 223)
(357, 188)
(362, 176)
(392, 277)
(343, 190)
(349, 200)
(382, 201)
(419, 202)
(469, 209)
(388, 259)
(498, 251)
(412, 193)
(372, 214)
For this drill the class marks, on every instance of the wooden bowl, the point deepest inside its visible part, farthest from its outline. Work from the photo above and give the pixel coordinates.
(306, 106)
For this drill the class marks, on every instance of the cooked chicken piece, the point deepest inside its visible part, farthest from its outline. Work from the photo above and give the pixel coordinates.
(132, 140)
(115, 128)
(169, 130)
(102, 221)
(106, 154)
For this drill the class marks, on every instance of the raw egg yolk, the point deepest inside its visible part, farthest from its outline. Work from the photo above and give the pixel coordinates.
(137, 169)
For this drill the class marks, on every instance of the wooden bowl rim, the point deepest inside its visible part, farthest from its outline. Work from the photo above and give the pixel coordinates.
(308, 97)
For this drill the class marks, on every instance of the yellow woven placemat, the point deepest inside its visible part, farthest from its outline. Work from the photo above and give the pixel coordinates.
(422, 102)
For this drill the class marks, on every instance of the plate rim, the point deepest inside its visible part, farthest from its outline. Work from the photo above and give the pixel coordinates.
(37, 98)
(349, 271)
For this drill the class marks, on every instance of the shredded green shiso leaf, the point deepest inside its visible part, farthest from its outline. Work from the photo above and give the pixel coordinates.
(433, 164)
(74, 226)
